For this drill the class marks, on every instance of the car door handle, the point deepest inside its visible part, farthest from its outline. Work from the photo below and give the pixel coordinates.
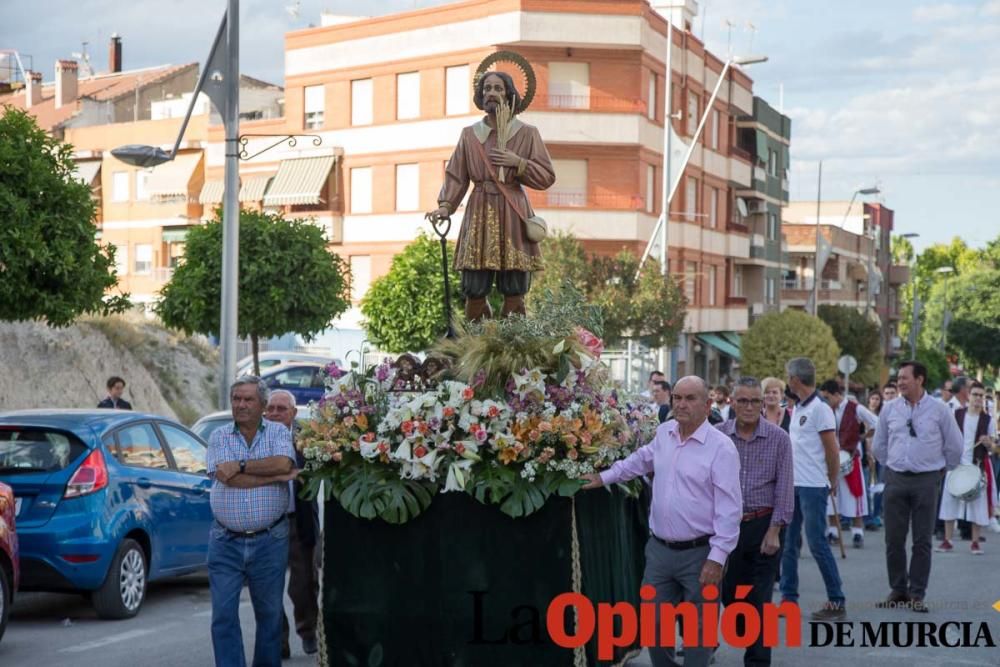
(144, 482)
(199, 490)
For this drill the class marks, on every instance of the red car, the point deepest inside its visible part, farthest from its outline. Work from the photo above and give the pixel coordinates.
(9, 570)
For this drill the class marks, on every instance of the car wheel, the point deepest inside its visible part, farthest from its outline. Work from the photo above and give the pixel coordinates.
(5, 599)
(124, 589)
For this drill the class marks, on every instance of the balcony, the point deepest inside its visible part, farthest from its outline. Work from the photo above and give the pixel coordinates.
(899, 274)
(161, 274)
(605, 103)
(807, 284)
(583, 199)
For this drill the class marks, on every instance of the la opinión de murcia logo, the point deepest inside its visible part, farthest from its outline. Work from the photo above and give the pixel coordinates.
(602, 618)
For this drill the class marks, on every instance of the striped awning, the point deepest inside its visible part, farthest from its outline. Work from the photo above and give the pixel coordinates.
(253, 188)
(211, 192)
(173, 179)
(86, 172)
(299, 181)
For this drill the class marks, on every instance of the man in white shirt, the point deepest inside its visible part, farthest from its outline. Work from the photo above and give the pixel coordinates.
(816, 466)
(959, 393)
(654, 378)
(852, 496)
(979, 433)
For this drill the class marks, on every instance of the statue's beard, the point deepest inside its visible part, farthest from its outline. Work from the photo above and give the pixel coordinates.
(491, 105)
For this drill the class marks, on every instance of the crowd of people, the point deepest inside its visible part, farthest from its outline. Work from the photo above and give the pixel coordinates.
(739, 473)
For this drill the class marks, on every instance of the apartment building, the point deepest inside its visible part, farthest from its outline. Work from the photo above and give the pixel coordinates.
(144, 213)
(766, 137)
(859, 271)
(387, 98)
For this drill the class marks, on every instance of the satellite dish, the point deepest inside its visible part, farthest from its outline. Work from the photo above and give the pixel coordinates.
(741, 206)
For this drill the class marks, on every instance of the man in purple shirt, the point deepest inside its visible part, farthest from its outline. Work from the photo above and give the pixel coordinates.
(696, 509)
(917, 439)
(768, 488)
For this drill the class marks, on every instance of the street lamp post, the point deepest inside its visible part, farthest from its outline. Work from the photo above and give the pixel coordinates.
(945, 270)
(913, 297)
(816, 267)
(220, 80)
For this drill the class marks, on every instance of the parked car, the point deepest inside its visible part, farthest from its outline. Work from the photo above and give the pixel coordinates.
(106, 501)
(306, 381)
(9, 564)
(269, 360)
(205, 426)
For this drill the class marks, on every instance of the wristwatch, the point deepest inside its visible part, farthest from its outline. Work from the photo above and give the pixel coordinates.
(243, 465)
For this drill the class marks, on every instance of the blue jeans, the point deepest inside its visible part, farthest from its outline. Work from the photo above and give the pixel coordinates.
(260, 562)
(810, 512)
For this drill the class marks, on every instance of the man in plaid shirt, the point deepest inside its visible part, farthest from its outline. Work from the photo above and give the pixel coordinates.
(251, 463)
(768, 486)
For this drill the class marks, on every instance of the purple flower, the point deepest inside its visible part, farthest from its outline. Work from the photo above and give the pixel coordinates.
(334, 371)
(382, 372)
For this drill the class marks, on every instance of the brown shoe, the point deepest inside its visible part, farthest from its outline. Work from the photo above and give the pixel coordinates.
(477, 309)
(513, 305)
(894, 600)
(917, 605)
(830, 612)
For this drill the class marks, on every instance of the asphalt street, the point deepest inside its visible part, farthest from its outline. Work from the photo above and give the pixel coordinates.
(49, 630)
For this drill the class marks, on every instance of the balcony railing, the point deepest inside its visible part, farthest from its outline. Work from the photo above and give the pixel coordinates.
(807, 284)
(161, 274)
(582, 199)
(592, 103)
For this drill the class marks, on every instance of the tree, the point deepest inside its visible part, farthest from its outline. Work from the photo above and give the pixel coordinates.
(777, 337)
(938, 369)
(649, 309)
(404, 309)
(289, 282)
(977, 342)
(51, 266)
(857, 336)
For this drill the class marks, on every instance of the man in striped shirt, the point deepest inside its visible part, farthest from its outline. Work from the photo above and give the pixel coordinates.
(768, 487)
(251, 463)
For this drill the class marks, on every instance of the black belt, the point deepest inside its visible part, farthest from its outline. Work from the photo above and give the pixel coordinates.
(684, 546)
(910, 473)
(253, 533)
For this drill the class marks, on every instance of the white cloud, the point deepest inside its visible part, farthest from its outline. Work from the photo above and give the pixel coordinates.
(940, 12)
(991, 8)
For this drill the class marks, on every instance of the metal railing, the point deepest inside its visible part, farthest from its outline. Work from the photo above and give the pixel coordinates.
(592, 103)
(582, 199)
(807, 284)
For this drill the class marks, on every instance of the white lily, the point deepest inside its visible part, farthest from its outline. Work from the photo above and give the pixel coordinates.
(403, 452)
(457, 476)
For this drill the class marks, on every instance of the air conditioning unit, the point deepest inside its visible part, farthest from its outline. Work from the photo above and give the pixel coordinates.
(758, 206)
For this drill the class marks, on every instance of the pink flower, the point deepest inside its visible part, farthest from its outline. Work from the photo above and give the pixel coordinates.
(482, 435)
(572, 454)
(459, 448)
(594, 345)
(420, 451)
(337, 456)
(468, 394)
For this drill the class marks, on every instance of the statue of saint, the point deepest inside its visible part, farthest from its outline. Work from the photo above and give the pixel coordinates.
(493, 243)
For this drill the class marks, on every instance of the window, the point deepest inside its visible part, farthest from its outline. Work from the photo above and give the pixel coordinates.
(407, 187)
(188, 452)
(711, 285)
(457, 93)
(571, 183)
(651, 97)
(361, 102)
(770, 291)
(569, 85)
(408, 95)
(121, 259)
(361, 190)
(119, 186)
(141, 178)
(361, 276)
(691, 198)
(650, 188)
(737, 281)
(713, 207)
(713, 142)
(772, 227)
(298, 376)
(315, 104)
(139, 446)
(772, 162)
(692, 116)
(143, 258)
(690, 274)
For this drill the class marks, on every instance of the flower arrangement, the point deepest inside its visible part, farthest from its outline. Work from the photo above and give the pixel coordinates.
(512, 443)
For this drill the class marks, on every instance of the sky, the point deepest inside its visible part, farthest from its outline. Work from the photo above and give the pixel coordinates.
(900, 94)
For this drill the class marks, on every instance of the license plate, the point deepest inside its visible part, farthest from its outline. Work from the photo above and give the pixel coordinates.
(17, 506)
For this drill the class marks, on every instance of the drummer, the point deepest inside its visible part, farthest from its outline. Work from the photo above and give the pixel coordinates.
(852, 496)
(979, 432)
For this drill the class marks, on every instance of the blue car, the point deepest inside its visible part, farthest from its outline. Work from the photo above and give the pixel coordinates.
(106, 501)
(304, 380)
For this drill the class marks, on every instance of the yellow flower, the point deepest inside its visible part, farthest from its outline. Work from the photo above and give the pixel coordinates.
(507, 455)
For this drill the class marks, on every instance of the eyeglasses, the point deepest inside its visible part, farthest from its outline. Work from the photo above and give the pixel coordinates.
(744, 402)
(909, 425)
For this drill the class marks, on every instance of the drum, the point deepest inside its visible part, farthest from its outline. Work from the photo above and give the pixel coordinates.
(846, 463)
(966, 482)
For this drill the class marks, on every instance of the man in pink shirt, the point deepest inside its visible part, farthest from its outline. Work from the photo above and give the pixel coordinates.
(696, 509)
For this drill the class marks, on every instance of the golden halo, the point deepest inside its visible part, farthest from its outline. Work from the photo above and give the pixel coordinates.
(522, 64)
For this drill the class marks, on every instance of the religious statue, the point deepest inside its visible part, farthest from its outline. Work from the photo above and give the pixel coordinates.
(499, 237)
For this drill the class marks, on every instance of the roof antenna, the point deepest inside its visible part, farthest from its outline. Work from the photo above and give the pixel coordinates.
(84, 59)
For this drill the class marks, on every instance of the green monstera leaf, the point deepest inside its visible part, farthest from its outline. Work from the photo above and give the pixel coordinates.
(371, 491)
